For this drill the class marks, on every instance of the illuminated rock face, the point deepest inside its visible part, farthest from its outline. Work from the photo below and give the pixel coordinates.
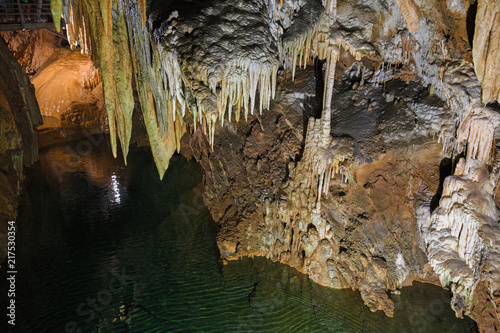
(67, 78)
(32, 48)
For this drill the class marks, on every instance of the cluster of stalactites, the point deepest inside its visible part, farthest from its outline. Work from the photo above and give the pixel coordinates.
(235, 89)
(99, 27)
(159, 82)
(300, 47)
(113, 33)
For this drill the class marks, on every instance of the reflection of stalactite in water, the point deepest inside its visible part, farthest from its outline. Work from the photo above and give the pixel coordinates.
(253, 293)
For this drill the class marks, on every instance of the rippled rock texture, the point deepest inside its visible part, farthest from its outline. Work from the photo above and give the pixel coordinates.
(486, 50)
(18, 142)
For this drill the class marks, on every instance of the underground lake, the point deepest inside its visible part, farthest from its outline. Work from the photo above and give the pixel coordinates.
(104, 247)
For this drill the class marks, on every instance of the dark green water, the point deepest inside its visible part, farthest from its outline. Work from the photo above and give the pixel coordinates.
(94, 234)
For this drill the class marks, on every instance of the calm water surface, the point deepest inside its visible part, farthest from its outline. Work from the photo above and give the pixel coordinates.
(94, 234)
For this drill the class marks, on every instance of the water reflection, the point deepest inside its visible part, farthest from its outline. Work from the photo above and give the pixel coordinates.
(107, 236)
(115, 188)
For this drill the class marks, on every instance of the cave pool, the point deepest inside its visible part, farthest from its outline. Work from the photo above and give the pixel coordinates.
(94, 234)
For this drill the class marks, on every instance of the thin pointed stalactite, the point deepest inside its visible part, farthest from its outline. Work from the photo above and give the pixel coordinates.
(310, 34)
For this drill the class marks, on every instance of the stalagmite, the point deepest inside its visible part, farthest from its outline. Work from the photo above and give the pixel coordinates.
(460, 236)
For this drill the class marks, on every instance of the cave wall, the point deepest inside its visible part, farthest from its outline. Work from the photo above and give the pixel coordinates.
(68, 86)
(364, 235)
(394, 209)
(20, 116)
(32, 48)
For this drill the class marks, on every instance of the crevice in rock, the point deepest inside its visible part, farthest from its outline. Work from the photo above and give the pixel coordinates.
(471, 22)
(445, 170)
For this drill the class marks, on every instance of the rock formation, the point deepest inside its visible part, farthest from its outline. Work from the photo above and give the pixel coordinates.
(68, 79)
(372, 167)
(486, 52)
(32, 48)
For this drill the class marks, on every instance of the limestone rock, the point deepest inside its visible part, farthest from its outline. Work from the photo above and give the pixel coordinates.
(486, 50)
(411, 13)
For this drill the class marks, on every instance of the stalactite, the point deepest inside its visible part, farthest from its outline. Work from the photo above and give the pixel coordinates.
(114, 34)
(123, 79)
(164, 140)
(107, 62)
(56, 9)
(163, 147)
(311, 33)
